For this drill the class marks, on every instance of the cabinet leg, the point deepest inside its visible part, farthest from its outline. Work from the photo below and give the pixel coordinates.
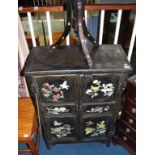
(49, 146)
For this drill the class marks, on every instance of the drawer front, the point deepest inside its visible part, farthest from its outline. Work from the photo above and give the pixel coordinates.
(95, 127)
(99, 89)
(130, 142)
(128, 130)
(56, 89)
(97, 109)
(58, 110)
(59, 128)
(129, 120)
(130, 107)
(131, 93)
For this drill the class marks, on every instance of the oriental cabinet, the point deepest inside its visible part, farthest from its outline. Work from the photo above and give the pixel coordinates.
(75, 103)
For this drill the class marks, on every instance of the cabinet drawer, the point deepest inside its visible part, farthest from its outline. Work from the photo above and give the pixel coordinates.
(96, 127)
(129, 120)
(131, 94)
(97, 109)
(128, 130)
(59, 128)
(129, 141)
(58, 110)
(130, 106)
(56, 89)
(99, 88)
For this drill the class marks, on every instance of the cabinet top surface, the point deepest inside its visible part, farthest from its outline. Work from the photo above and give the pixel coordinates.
(106, 58)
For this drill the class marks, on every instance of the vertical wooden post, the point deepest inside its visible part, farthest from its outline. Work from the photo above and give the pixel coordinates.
(119, 16)
(49, 27)
(132, 41)
(101, 26)
(31, 29)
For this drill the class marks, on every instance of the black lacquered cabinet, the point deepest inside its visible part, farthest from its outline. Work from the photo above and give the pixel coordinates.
(75, 103)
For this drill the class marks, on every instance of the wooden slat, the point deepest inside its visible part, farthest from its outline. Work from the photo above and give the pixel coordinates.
(87, 7)
(24, 150)
(132, 41)
(38, 112)
(101, 26)
(111, 7)
(49, 27)
(41, 9)
(31, 28)
(86, 16)
(119, 17)
(68, 40)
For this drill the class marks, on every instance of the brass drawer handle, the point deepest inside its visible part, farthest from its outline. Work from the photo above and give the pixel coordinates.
(125, 138)
(127, 130)
(130, 121)
(133, 110)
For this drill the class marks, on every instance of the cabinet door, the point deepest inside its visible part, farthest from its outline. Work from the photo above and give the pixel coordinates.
(56, 89)
(98, 88)
(95, 127)
(61, 128)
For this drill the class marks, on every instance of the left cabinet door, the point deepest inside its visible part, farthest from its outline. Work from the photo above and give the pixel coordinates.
(58, 106)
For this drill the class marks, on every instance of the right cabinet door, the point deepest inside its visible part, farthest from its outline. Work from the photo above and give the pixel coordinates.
(97, 106)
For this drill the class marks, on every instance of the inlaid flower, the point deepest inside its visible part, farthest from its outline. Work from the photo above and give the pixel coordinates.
(55, 90)
(64, 85)
(107, 89)
(98, 87)
(61, 131)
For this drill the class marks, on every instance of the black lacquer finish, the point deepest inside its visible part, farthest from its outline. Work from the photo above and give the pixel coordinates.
(77, 100)
(70, 95)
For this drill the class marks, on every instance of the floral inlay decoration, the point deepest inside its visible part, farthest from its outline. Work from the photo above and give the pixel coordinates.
(61, 129)
(98, 88)
(95, 129)
(98, 109)
(57, 110)
(55, 91)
